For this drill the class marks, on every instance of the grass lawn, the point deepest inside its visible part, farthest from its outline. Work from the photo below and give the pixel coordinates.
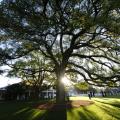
(102, 109)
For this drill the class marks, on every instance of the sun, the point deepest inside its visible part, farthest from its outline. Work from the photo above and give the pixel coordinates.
(66, 81)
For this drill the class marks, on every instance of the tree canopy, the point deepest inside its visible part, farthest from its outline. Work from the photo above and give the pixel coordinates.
(81, 36)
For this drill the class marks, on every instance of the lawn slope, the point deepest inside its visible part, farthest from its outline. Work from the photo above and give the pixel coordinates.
(102, 109)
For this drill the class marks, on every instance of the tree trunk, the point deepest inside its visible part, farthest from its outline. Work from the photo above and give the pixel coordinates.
(60, 89)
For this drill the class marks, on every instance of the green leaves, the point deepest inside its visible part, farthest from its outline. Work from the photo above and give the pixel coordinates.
(82, 86)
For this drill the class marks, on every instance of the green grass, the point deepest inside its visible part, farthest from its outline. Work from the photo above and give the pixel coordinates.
(102, 109)
(19, 111)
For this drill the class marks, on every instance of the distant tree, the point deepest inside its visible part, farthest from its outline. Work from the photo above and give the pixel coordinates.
(83, 86)
(79, 36)
(33, 70)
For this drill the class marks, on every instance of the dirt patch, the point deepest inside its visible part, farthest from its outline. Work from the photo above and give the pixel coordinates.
(70, 104)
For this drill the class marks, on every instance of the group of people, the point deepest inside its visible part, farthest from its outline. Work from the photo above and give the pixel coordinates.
(103, 93)
(91, 94)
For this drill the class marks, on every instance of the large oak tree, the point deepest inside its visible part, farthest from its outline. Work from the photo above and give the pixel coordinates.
(79, 36)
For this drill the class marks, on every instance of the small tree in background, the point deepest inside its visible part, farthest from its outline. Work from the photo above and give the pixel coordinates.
(33, 70)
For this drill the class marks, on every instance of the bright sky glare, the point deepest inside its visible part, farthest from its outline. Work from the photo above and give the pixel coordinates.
(66, 81)
(4, 81)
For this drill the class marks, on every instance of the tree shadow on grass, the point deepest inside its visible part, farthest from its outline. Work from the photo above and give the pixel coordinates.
(82, 113)
(57, 112)
(29, 111)
(115, 103)
(110, 109)
(86, 114)
(27, 114)
(19, 111)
